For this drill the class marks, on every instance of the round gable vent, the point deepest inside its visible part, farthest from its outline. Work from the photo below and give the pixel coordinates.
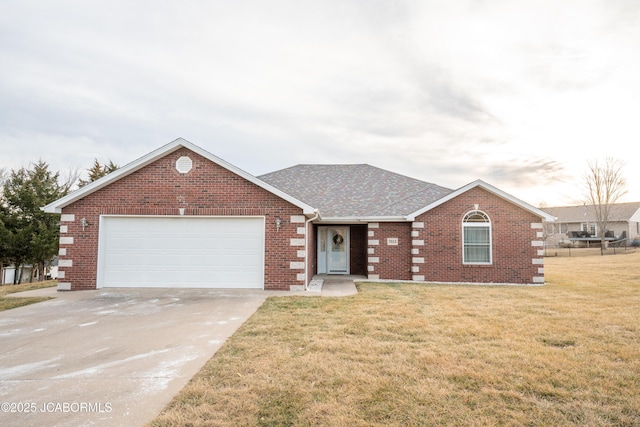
(184, 164)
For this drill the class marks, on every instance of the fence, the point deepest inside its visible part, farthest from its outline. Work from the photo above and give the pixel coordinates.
(553, 251)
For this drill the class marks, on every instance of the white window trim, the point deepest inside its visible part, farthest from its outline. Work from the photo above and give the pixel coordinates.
(478, 224)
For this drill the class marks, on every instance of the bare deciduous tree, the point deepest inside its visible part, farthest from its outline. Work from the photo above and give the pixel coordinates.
(70, 178)
(605, 186)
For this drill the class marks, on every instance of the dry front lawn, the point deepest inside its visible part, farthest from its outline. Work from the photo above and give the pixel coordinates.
(567, 353)
(13, 302)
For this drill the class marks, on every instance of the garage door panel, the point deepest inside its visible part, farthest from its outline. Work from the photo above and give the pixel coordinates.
(182, 252)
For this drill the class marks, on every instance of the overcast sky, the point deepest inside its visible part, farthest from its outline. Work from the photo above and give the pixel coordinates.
(520, 94)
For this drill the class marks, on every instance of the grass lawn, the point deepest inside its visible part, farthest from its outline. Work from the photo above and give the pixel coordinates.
(13, 302)
(567, 353)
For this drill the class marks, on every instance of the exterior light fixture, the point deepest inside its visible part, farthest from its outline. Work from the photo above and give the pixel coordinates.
(84, 223)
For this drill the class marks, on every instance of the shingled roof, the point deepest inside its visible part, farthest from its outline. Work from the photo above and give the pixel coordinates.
(619, 212)
(361, 190)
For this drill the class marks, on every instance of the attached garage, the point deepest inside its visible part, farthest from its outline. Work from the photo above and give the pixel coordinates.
(181, 252)
(180, 217)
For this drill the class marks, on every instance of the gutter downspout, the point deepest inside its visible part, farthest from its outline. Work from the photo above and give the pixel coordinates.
(306, 247)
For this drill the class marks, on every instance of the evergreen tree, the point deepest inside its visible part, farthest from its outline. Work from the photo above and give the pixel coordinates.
(29, 234)
(97, 171)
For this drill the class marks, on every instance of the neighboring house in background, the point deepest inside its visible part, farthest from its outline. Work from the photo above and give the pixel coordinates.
(182, 217)
(577, 225)
(8, 274)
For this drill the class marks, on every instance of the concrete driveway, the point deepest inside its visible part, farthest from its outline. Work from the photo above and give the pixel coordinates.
(110, 356)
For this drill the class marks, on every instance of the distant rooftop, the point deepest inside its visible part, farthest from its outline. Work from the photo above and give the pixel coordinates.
(355, 190)
(582, 213)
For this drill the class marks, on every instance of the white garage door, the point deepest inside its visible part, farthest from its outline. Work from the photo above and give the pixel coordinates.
(182, 252)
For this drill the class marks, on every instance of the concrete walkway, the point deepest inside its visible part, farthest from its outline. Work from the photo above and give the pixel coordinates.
(335, 285)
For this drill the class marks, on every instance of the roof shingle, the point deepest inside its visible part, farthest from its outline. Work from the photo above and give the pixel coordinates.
(358, 190)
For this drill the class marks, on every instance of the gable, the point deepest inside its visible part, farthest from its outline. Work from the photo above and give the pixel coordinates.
(138, 166)
(478, 198)
(489, 188)
(160, 188)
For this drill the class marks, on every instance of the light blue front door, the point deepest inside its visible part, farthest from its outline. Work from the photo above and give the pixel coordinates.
(333, 250)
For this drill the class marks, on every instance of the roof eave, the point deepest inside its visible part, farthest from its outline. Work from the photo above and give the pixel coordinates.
(490, 188)
(359, 219)
(58, 205)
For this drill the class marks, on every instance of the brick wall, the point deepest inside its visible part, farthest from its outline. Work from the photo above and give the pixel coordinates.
(389, 259)
(516, 242)
(159, 189)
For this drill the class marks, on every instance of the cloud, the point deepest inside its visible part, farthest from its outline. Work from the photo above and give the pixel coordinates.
(522, 173)
(513, 92)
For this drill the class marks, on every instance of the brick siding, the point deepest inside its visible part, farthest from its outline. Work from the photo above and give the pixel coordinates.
(512, 242)
(390, 261)
(159, 189)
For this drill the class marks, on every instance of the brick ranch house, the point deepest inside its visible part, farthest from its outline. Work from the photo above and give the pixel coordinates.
(182, 217)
